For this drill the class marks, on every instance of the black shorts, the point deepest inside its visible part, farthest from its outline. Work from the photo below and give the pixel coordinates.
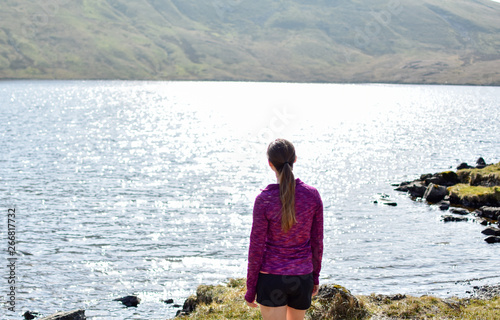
(277, 290)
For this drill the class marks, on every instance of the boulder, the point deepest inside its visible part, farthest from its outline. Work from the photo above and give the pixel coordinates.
(492, 239)
(417, 188)
(70, 315)
(450, 218)
(129, 301)
(491, 231)
(448, 178)
(492, 213)
(336, 302)
(435, 193)
(480, 163)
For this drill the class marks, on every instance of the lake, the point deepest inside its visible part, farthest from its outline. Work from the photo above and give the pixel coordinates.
(147, 188)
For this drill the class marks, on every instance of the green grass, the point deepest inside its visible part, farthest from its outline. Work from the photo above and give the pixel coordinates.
(475, 196)
(488, 176)
(224, 302)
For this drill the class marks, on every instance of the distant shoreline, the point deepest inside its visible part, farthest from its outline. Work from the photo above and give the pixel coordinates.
(252, 81)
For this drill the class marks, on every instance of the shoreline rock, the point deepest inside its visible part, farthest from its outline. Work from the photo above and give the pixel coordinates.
(461, 192)
(68, 315)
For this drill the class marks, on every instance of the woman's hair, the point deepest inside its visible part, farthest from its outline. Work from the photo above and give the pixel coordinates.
(281, 154)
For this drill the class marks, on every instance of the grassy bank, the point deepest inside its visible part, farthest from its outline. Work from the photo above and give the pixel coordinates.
(226, 302)
(479, 187)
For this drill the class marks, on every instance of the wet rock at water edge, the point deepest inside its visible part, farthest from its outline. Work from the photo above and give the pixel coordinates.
(450, 218)
(417, 189)
(129, 301)
(491, 231)
(435, 193)
(188, 307)
(492, 239)
(482, 221)
(70, 315)
(28, 315)
(443, 205)
(492, 213)
(460, 211)
(169, 301)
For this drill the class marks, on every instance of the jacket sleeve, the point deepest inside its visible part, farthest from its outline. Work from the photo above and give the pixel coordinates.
(317, 240)
(256, 249)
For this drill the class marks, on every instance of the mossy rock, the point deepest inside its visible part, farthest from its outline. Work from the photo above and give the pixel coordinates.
(488, 176)
(474, 196)
(335, 302)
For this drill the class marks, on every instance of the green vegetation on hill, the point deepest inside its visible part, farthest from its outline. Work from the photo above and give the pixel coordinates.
(398, 41)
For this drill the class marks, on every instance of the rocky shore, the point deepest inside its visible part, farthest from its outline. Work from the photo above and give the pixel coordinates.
(336, 302)
(216, 302)
(469, 193)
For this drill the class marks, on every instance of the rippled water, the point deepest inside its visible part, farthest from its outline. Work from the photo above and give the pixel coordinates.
(147, 187)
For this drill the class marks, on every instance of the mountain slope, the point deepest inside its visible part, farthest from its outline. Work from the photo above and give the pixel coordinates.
(402, 41)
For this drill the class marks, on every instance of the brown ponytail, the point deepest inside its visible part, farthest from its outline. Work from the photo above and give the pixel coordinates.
(281, 153)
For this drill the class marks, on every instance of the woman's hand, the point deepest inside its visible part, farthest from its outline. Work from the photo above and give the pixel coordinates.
(252, 304)
(315, 290)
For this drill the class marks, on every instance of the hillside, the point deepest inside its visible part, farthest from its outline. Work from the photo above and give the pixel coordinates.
(397, 41)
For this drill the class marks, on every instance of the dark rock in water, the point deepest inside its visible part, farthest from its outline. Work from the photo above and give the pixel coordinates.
(70, 315)
(460, 211)
(464, 165)
(480, 163)
(129, 301)
(169, 301)
(492, 239)
(450, 218)
(417, 188)
(435, 193)
(491, 231)
(444, 204)
(28, 315)
(384, 199)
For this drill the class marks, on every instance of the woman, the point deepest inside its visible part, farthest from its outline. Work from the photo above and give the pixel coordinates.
(286, 242)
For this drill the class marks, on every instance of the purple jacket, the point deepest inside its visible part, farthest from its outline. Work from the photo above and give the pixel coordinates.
(297, 252)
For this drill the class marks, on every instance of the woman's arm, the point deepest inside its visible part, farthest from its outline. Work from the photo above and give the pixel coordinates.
(317, 240)
(256, 249)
